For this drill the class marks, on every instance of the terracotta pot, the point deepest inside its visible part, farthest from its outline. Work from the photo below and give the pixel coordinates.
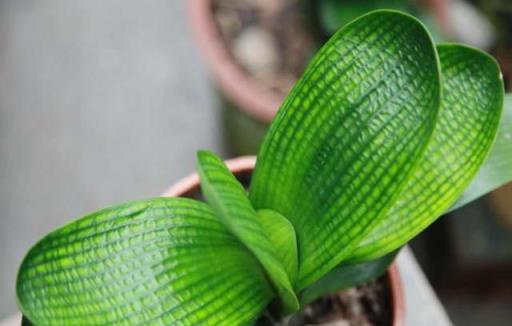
(242, 168)
(233, 81)
(248, 107)
(439, 8)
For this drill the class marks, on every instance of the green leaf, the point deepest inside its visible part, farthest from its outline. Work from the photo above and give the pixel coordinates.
(348, 135)
(466, 128)
(163, 261)
(282, 236)
(346, 276)
(229, 201)
(497, 169)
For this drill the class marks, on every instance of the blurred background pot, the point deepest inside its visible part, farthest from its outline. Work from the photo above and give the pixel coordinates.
(242, 168)
(256, 50)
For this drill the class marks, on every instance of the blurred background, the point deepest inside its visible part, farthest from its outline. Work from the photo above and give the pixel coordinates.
(100, 102)
(107, 101)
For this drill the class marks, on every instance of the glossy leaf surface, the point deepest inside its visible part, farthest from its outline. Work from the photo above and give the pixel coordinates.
(467, 123)
(282, 236)
(166, 261)
(497, 169)
(228, 199)
(347, 136)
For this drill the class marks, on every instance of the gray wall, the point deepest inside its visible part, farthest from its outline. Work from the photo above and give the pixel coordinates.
(100, 102)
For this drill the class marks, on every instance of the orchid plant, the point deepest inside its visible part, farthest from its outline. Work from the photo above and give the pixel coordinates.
(384, 133)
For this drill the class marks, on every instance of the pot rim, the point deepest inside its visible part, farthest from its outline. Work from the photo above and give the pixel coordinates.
(244, 164)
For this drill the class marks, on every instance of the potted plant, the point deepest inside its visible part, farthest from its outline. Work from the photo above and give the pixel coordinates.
(378, 302)
(381, 135)
(257, 49)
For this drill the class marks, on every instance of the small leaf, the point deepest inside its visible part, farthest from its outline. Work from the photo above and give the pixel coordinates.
(346, 276)
(282, 235)
(229, 201)
(163, 261)
(348, 135)
(497, 169)
(466, 128)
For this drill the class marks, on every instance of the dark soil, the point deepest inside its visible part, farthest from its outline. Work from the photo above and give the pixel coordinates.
(366, 305)
(268, 38)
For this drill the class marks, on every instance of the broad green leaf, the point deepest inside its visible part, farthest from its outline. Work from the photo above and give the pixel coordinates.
(165, 261)
(497, 169)
(229, 201)
(282, 235)
(345, 276)
(466, 128)
(348, 135)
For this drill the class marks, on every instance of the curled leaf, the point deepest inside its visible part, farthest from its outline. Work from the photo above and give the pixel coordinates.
(229, 201)
(466, 128)
(348, 135)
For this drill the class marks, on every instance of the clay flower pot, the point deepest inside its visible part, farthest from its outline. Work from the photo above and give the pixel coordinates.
(242, 168)
(248, 107)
